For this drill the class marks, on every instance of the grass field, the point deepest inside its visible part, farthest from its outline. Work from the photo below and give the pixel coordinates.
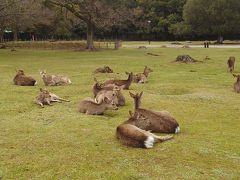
(59, 143)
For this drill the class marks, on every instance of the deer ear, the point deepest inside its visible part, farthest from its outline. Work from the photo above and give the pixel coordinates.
(132, 95)
(140, 95)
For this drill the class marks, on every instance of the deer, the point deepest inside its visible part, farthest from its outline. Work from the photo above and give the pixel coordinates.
(115, 95)
(231, 64)
(142, 77)
(236, 85)
(124, 84)
(90, 107)
(156, 121)
(105, 69)
(110, 91)
(130, 134)
(44, 98)
(54, 80)
(21, 79)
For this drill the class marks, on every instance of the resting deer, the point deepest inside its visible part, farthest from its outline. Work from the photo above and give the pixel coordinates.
(93, 108)
(156, 121)
(22, 80)
(44, 98)
(105, 69)
(124, 84)
(115, 95)
(142, 77)
(130, 134)
(97, 87)
(54, 80)
(236, 85)
(231, 64)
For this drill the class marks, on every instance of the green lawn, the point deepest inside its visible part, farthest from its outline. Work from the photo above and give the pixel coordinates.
(59, 143)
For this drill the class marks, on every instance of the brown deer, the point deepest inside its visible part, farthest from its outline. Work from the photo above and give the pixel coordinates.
(97, 87)
(22, 80)
(130, 134)
(231, 64)
(236, 85)
(44, 98)
(115, 95)
(54, 80)
(142, 77)
(105, 69)
(124, 84)
(156, 121)
(92, 108)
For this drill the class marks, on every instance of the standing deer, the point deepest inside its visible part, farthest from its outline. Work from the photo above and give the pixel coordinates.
(124, 84)
(131, 134)
(156, 121)
(22, 80)
(93, 108)
(236, 85)
(231, 64)
(54, 80)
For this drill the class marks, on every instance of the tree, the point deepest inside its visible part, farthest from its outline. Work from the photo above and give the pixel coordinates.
(218, 17)
(96, 14)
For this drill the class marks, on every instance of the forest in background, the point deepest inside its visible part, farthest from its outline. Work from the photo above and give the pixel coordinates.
(119, 19)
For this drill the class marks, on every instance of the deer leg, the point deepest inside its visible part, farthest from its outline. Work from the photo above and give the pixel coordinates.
(63, 99)
(48, 102)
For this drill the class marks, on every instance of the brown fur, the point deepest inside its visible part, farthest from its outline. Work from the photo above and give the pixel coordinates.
(22, 80)
(54, 80)
(44, 98)
(130, 134)
(105, 69)
(236, 85)
(124, 84)
(156, 121)
(231, 64)
(115, 95)
(93, 108)
(97, 87)
(142, 77)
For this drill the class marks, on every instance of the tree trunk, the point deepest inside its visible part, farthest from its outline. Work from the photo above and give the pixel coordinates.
(220, 39)
(90, 34)
(15, 35)
(1, 37)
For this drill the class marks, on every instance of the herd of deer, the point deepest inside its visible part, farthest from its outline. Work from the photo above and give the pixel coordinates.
(138, 130)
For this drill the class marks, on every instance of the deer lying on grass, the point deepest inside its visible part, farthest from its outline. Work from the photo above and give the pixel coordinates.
(97, 87)
(92, 108)
(105, 69)
(45, 98)
(22, 80)
(142, 77)
(123, 84)
(131, 134)
(156, 121)
(231, 64)
(236, 85)
(54, 80)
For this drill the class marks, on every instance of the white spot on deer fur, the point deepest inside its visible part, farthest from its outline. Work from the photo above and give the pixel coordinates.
(149, 142)
(177, 130)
